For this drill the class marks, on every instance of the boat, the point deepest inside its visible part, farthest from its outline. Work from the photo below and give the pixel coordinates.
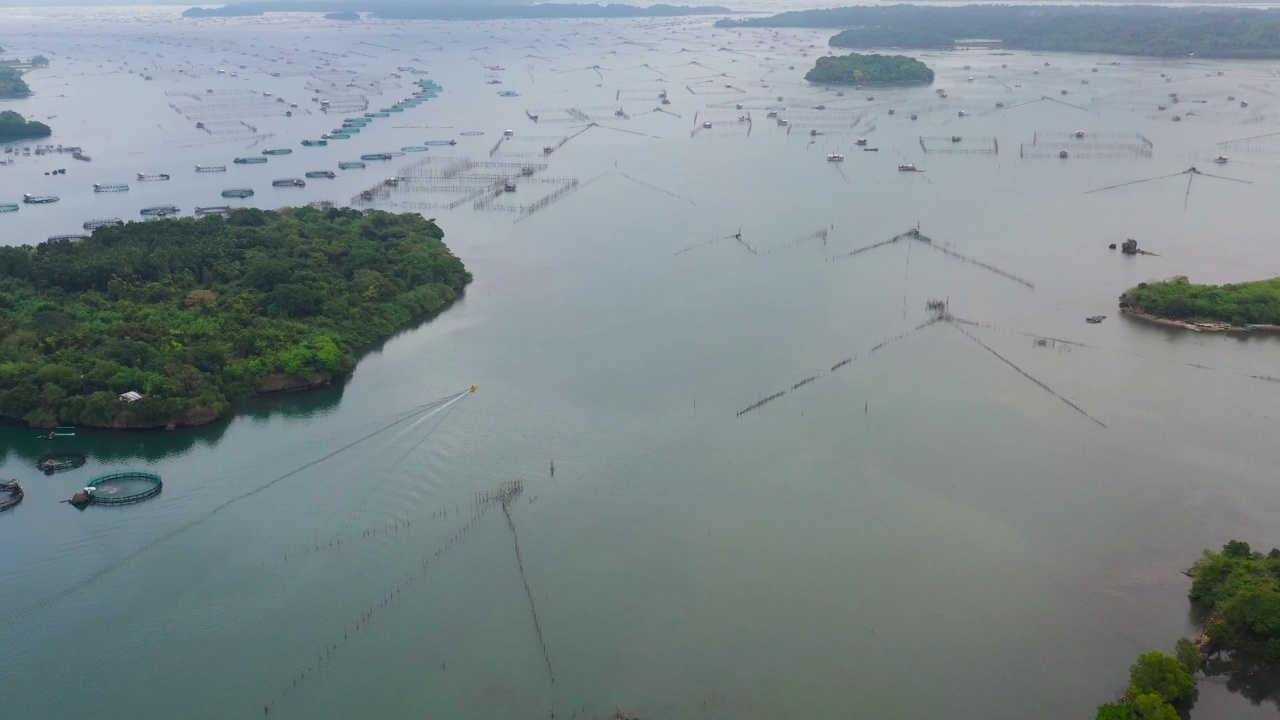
(1063, 154)
(391, 181)
(961, 114)
(152, 177)
(955, 138)
(39, 199)
(351, 165)
(15, 494)
(92, 225)
(375, 156)
(277, 151)
(1095, 319)
(835, 157)
(237, 193)
(321, 174)
(706, 125)
(913, 116)
(509, 187)
(8, 207)
(216, 209)
(1221, 159)
(907, 167)
(1079, 134)
(211, 168)
(860, 141)
(870, 149)
(1244, 103)
(110, 187)
(891, 111)
(159, 210)
(249, 160)
(289, 182)
(314, 143)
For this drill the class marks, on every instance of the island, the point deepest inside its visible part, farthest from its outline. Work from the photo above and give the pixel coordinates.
(855, 68)
(1237, 593)
(14, 127)
(1178, 302)
(393, 10)
(11, 83)
(348, 15)
(1125, 30)
(169, 322)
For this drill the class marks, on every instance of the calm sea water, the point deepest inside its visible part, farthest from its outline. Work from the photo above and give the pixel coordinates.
(964, 544)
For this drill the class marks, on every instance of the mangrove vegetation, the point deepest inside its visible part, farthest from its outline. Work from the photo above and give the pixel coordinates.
(1241, 304)
(855, 68)
(196, 313)
(1127, 30)
(14, 127)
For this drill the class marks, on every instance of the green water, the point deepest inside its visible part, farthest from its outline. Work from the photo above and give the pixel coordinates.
(923, 532)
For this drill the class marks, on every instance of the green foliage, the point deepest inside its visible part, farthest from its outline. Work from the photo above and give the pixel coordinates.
(1116, 711)
(11, 82)
(1162, 31)
(195, 313)
(1160, 674)
(1189, 655)
(12, 126)
(39, 61)
(1242, 588)
(1247, 303)
(855, 68)
(1150, 706)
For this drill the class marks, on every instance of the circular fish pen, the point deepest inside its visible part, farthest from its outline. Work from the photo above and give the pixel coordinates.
(119, 488)
(15, 493)
(52, 462)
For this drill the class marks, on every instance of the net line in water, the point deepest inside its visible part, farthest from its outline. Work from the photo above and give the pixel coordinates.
(26, 610)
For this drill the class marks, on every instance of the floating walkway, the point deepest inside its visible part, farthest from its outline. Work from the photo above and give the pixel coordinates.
(120, 488)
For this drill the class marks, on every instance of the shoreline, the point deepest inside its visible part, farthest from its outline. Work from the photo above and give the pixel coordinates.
(1195, 326)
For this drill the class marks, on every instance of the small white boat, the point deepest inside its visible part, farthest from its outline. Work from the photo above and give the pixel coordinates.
(907, 167)
(835, 157)
(1221, 159)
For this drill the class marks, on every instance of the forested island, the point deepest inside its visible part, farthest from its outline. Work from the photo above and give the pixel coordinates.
(11, 83)
(1126, 30)
(14, 127)
(855, 68)
(1237, 590)
(400, 10)
(196, 313)
(1178, 301)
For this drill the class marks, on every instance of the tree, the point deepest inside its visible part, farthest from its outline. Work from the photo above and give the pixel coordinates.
(1151, 707)
(1160, 674)
(1189, 655)
(1116, 711)
(39, 61)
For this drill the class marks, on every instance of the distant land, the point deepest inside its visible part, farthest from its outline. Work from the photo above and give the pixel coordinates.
(1182, 303)
(399, 10)
(1124, 30)
(14, 127)
(11, 83)
(855, 68)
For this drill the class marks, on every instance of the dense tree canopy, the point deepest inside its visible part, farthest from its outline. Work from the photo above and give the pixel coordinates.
(855, 68)
(1239, 303)
(1162, 675)
(13, 126)
(11, 82)
(1128, 30)
(1242, 588)
(197, 313)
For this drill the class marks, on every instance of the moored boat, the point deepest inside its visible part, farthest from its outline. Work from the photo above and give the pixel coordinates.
(907, 167)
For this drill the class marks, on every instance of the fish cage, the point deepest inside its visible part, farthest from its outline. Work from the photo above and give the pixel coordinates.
(119, 488)
(52, 462)
(14, 490)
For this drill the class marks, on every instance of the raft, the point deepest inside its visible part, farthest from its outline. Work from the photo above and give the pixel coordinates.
(52, 462)
(15, 494)
(120, 488)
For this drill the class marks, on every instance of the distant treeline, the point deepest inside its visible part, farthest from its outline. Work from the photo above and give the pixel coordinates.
(11, 82)
(400, 10)
(1128, 30)
(1249, 303)
(15, 127)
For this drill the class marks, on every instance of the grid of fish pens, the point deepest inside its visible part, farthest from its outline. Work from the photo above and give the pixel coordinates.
(1079, 144)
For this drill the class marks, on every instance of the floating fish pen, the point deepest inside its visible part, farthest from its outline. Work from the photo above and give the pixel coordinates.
(211, 168)
(277, 151)
(434, 143)
(249, 160)
(152, 177)
(92, 225)
(237, 193)
(111, 187)
(338, 136)
(378, 114)
(121, 488)
(414, 148)
(39, 199)
(52, 462)
(376, 156)
(68, 237)
(322, 174)
(9, 207)
(314, 143)
(347, 130)
(15, 494)
(289, 182)
(351, 165)
(214, 210)
(361, 120)
(159, 210)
